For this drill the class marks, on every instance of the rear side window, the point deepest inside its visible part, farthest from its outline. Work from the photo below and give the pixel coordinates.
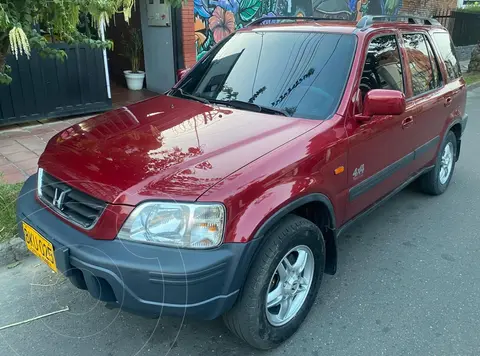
(447, 51)
(437, 74)
(383, 67)
(422, 67)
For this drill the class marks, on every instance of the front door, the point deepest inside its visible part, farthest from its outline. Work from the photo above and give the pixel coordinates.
(379, 155)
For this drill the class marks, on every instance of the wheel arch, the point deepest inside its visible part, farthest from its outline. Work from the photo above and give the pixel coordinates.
(456, 128)
(318, 209)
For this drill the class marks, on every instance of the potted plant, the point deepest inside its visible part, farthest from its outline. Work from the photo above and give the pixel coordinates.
(133, 48)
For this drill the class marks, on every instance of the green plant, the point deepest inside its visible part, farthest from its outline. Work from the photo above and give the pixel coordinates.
(475, 8)
(133, 47)
(8, 198)
(59, 18)
(472, 77)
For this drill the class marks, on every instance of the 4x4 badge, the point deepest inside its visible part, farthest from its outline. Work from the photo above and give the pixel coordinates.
(358, 172)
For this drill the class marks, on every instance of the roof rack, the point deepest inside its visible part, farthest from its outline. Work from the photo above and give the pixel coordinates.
(289, 18)
(363, 23)
(369, 20)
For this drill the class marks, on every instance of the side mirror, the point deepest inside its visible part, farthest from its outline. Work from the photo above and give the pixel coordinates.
(382, 102)
(181, 73)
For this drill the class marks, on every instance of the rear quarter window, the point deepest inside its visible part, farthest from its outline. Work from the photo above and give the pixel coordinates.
(447, 52)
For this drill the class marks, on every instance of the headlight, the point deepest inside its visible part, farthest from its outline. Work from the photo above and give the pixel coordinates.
(176, 224)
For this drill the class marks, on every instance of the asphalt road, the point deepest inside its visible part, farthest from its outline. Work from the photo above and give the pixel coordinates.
(408, 284)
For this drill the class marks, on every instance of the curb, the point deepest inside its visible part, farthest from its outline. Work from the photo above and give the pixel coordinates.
(12, 251)
(473, 86)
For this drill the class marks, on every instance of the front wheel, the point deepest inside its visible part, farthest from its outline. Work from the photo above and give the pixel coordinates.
(437, 180)
(281, 286)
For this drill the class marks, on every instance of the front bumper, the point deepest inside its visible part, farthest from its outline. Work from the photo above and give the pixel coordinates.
(142, 278)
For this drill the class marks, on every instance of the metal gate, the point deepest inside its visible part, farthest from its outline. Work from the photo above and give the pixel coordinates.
(46, 88)
(466, 30)
(463, 26)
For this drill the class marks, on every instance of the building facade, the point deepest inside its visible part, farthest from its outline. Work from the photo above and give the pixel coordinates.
(205, 22)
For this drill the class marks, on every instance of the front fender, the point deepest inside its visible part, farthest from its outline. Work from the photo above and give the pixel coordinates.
(269, 208)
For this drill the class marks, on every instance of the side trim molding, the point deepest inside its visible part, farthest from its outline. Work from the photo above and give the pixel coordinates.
(381, 201)
(426, 147)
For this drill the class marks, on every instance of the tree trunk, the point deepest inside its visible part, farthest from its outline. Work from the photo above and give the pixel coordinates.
(4, 45)
(3, 61)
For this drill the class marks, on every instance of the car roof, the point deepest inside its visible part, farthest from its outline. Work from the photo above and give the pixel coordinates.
(366, 25)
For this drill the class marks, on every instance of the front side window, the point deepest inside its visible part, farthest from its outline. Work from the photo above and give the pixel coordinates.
(424, 78)
(383, 67)
(447, 51)
(297, 73)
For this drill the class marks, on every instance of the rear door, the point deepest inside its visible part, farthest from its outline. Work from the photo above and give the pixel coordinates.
(456, 92)
(428, 97)
(379, 154)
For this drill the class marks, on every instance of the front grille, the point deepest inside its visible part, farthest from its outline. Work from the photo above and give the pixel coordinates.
(75, 206)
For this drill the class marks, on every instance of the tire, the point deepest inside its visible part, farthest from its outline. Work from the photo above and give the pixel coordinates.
(248, 318)
(436, 182)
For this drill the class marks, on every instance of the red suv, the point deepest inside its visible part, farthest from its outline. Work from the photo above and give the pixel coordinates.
(226, 195)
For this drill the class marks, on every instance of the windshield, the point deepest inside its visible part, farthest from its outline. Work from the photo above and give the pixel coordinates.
(298, 73)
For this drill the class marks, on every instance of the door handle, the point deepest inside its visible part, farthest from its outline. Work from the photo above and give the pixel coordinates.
(448, 101)
(408, 121)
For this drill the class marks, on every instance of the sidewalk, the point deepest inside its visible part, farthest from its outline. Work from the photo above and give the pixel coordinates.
(20, 147)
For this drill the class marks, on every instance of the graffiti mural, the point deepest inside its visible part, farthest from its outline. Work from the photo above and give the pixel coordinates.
(216, 19)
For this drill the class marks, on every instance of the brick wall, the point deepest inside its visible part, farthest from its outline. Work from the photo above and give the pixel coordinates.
(426, 7)
(188, 34)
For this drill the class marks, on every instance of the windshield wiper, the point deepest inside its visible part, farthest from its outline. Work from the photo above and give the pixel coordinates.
(238, 104)
(245, 105)
(190, 96)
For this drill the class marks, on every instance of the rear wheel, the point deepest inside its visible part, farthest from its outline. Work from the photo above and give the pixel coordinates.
(281, 286)
(437, 180)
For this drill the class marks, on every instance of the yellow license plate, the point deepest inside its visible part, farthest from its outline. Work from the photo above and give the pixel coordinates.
(39, 246)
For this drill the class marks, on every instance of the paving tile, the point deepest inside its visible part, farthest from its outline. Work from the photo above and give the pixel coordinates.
(13, 134)
(77, 120)
(31, 171)
(14, 178)
(45, 129)
(45, 137)
(59, 126)
(36, 144)
(6, 142)
(30, 163)
(3, 161)
(9, 169)
(28, 140)
(38, 151)
(11, 149)
(21, 156)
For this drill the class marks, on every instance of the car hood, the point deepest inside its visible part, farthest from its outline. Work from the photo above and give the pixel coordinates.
(163, 148)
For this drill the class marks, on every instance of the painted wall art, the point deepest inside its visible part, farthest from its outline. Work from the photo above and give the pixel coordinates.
(216, 19)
